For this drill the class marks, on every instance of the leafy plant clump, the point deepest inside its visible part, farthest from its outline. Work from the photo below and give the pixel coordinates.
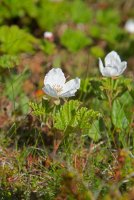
(75, 40)
(14, 40)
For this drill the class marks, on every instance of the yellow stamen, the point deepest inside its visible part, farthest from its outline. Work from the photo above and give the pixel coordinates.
(57, 88)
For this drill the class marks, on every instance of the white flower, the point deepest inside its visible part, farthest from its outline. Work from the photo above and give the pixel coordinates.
(55, 86)
(113, 65)
(49, 35)
(129, 26)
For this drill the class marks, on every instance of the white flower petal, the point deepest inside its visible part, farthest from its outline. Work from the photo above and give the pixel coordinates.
(70, 88)
(55, 86)
(129, 26)
(101, 66)
(110, 71)
(122, 68)
(68, 93)
(112, 59)
(55, 77)
(113, 65)
(48, 34)
(50, 91)
(73, 84)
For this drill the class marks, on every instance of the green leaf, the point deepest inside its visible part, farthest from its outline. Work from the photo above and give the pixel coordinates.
(75, 40)
(71, 115)
(112, 34)
(97, 51)
(84, 119)
(48, 47)
(51, 13)
(96, 88)
(94, 131)
(95, 31)
(14, 40)
(127, 101)
(21, 8)
(37, 109)
(66, 115)
(4, 13)
(110, 16)
(77, 14)
(85, 85)
(8, 61)
(119, 118)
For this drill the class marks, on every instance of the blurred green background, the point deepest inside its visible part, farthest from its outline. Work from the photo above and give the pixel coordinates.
(80, 27)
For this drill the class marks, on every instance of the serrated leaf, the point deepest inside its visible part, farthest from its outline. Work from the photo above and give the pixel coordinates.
(84, 118)
(15, 40)
(38, 110)
(71, 115)
(66, 115)
(8, 61)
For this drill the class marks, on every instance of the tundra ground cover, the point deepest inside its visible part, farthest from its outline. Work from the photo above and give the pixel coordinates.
(73, 139)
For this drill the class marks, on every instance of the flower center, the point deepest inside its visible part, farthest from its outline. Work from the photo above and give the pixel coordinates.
(57, 88)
